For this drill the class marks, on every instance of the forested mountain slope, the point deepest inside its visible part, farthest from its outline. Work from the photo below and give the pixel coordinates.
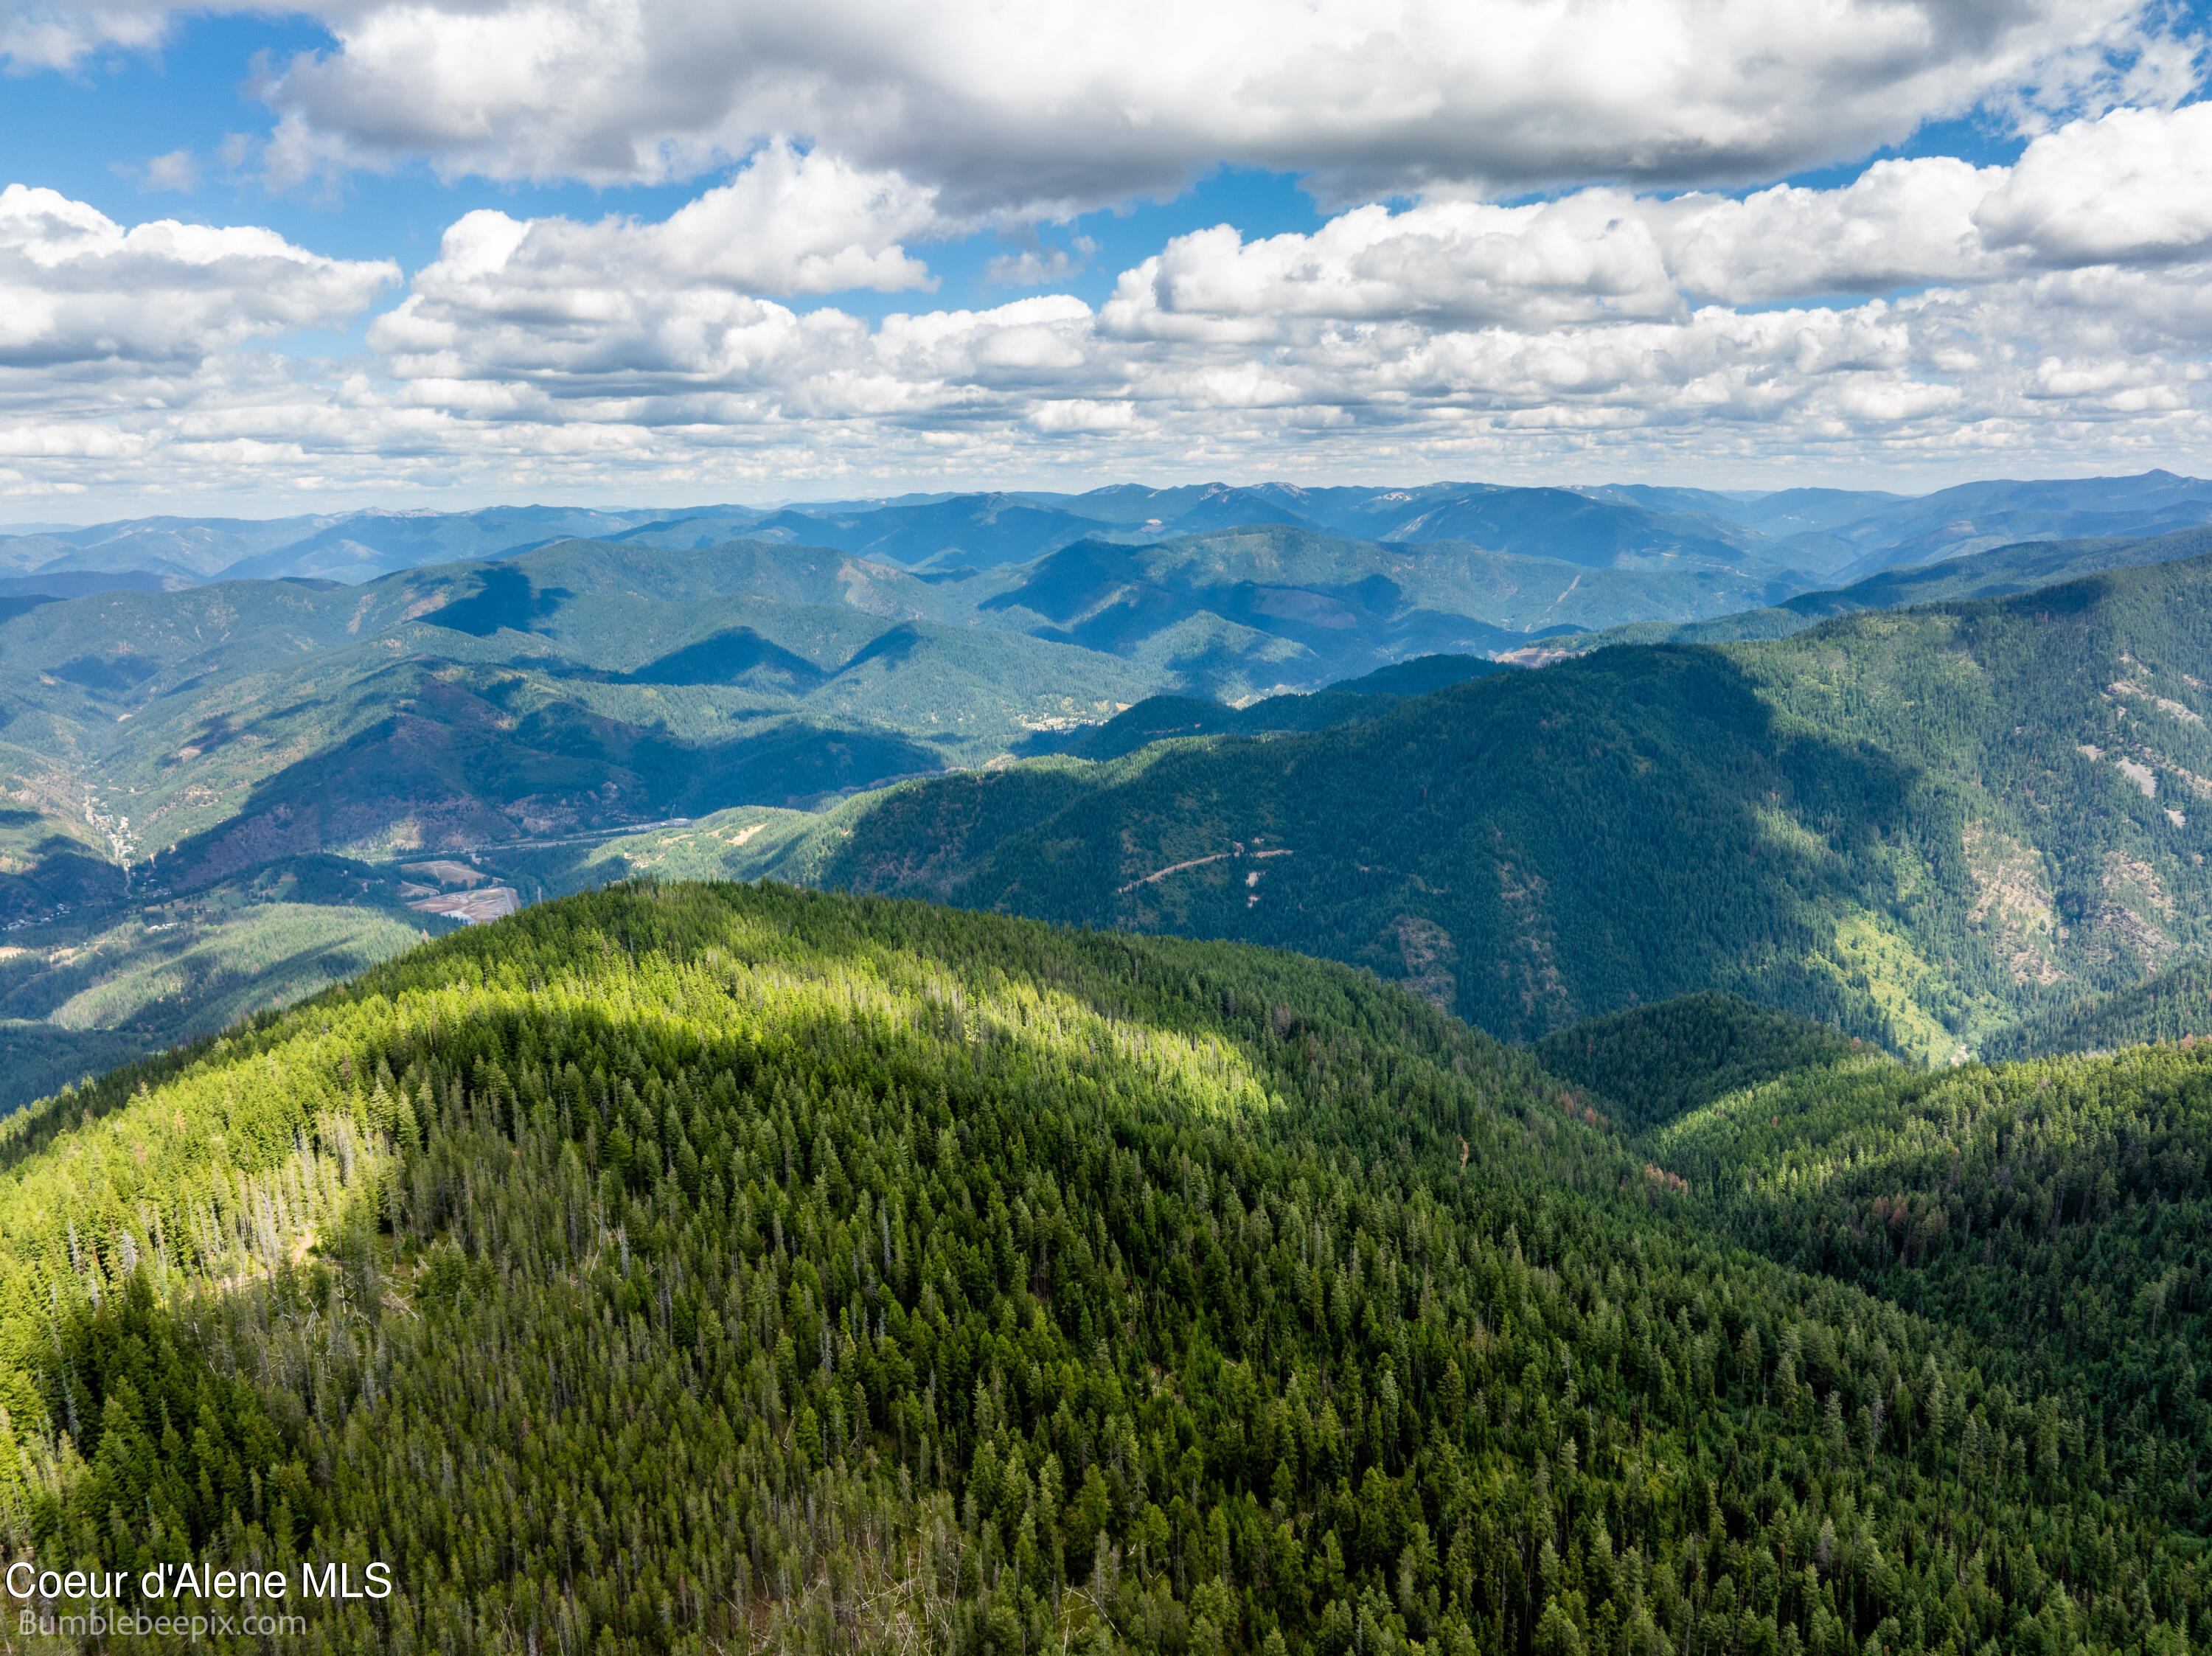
(669, 1269)
(575, 688)
(1923, 825)
(2056, 1210)
(585, 687)
(2175, 1004)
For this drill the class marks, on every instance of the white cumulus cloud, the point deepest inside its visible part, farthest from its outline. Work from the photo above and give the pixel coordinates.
(1462, 332)
(1587, 257)
(1899, 223)
(679, 297)
(2137, 184)
(2135, 187)
(76, 287)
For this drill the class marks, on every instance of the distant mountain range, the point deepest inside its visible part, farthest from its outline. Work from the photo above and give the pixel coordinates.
(1998, 573)
(1799, 537)
(590, 686)
(214, 785)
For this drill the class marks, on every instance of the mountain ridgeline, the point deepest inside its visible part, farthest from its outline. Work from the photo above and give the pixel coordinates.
(1822, 533)
(674, 1268)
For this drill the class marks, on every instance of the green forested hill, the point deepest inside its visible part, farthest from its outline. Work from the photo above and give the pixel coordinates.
(681, 1268)
(1923, 825)
(1407, 843)
(166, 741)
(2174, 1005)
(1164, 717)
(171, 741)
(1655, 1062)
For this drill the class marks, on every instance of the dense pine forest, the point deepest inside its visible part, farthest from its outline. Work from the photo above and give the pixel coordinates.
(713, 1268)
(2057, 1211)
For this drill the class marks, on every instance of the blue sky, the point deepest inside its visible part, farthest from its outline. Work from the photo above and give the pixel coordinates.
(1582, 266)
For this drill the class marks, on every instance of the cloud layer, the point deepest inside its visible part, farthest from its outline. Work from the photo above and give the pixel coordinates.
(1081, 105)
(518, 299)
(1073, 105)
(2053, 314)
(2133, 188)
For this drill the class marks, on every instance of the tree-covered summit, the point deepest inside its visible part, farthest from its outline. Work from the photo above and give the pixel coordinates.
(679, 1268)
